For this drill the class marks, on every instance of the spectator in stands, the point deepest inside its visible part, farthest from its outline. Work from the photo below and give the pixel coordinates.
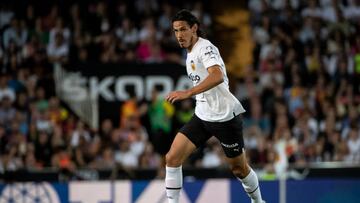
(127, 33)
(61, 29)
(199, 12)
(43, 150)
(105, 160)
(312, 10)
(80, 135)
(7, 112)
(106, 130)
(149, 49)
(16, 33)
(149, 159)
(6, 14)
(125, 156)
(183, 113)
(5, 90)
(30, 161)
(3, 138)
(38, 31)
(146, 7)
(62, 160)
(160, 116)
(57, 113)
(10, 160)
(49, 21)
(58, 50)
(130, 109)
(58, 138)
(213, 156)
(353, 144)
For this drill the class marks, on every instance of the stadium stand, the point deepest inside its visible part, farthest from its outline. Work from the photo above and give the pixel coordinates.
(300, 88)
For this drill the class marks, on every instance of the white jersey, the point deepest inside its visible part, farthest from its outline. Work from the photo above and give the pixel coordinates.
(216, 104)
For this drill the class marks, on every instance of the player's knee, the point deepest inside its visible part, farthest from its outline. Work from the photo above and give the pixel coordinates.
(240, 171)
(172, 160)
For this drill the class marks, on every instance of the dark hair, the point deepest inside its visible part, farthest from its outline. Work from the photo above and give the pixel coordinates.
(187, 16)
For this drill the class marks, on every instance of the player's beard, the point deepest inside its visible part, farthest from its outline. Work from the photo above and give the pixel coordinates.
(188, 44)
(191, 42)
(182, 44)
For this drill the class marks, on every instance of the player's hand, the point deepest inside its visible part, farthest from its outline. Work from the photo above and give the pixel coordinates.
(177, 95)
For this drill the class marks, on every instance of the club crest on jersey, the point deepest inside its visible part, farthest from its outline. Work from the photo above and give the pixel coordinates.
(192, 65)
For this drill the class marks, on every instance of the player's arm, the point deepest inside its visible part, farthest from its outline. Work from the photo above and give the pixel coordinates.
(214, 78)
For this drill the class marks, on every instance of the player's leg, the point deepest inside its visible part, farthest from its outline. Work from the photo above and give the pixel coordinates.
(180, 149)
(191, 136)
(229, 134)
(246, 176)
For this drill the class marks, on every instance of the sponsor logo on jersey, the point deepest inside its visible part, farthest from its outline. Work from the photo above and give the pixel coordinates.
(194, 78)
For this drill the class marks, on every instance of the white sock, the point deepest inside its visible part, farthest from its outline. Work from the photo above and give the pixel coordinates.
(251, 186)
(173, 183)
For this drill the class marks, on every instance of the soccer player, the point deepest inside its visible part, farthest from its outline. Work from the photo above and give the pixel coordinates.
(217, 111)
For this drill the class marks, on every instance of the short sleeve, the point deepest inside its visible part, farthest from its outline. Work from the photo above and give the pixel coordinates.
(209, 56)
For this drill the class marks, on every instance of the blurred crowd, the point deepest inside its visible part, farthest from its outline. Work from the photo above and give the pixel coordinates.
(301, 93)
(37, 130)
